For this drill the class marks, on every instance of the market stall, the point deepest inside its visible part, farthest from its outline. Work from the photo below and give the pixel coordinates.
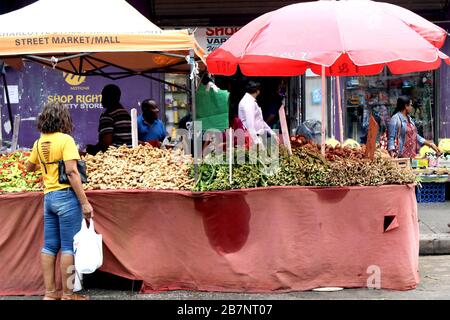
(323, 218)
(292, 234)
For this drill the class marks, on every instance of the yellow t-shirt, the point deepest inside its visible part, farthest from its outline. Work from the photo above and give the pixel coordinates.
(52, 148)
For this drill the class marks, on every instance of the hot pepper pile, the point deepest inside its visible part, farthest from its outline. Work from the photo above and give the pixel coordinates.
(13, 175)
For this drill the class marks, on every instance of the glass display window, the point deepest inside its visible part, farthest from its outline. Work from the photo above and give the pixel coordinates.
(176, 100)
(378, 95)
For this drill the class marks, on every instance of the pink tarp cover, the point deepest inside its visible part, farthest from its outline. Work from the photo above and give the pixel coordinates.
(257, 240)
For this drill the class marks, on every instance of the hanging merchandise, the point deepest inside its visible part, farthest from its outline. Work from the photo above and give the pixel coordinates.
(212, 107)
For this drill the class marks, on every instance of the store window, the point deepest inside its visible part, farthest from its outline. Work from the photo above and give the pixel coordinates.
(378, 94)
(176, 101)
(313, 105)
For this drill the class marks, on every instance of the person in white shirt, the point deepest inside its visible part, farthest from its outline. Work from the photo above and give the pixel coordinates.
(251, 115)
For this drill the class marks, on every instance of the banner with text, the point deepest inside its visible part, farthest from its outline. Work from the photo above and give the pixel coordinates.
(37, 85)
(211, 38)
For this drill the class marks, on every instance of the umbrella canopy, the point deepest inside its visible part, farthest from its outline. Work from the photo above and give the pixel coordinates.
(347, 37)
(85, 36)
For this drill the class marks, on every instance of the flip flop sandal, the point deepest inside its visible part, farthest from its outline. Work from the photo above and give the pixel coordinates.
(52, 295)
(74, 297)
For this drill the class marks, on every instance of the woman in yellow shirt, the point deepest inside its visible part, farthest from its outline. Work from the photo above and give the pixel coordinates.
(64, 204)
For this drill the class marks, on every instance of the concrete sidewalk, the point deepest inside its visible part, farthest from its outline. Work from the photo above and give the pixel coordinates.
(434, 231)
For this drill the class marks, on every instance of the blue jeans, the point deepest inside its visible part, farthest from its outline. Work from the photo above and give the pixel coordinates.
(62, 220)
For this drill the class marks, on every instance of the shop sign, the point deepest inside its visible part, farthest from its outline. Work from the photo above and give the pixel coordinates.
(35, 85)
(211, 38)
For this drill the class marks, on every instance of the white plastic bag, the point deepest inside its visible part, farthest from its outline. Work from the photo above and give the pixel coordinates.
(87, 246)
(77, 283)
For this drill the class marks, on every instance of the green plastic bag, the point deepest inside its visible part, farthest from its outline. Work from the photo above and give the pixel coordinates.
(212, 108)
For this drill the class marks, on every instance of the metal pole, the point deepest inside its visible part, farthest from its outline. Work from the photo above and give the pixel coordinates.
(5, 84)
(1, 130)
(231, 145)
(194, 115)
(134, 129)
(324, 101)
(15, 137)
(341, 122)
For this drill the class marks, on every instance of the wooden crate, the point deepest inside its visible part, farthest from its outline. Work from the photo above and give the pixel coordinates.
(402, 162)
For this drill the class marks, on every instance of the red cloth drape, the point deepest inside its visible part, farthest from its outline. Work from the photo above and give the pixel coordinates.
(256, 240)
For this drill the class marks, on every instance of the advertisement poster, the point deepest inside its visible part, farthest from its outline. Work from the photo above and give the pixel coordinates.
(36, 85)
(211, 38)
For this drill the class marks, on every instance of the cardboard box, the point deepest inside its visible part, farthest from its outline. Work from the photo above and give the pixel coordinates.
(403, 162)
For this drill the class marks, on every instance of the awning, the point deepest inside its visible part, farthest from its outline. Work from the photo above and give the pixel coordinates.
(85, 36)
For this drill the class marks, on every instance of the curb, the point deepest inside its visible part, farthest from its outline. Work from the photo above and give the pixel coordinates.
(436, 243)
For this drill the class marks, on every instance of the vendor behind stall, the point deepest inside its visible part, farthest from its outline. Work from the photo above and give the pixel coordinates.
(251, 115)
(150, 128)
(115, 122)
(403, 137)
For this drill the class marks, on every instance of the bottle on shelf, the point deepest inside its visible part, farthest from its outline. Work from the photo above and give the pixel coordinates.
(175, 111)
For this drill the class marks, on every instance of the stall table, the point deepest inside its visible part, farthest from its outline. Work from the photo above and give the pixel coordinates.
(276, 239)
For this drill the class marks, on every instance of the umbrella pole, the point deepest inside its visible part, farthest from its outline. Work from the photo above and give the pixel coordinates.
(194, 114)
(341, 125)
(322, 146)
(231, 144)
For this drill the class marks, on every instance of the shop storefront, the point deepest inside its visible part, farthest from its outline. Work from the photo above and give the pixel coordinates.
(378, 95)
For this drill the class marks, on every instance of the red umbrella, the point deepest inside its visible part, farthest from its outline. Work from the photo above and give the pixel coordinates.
(347, 37)
(340, 38)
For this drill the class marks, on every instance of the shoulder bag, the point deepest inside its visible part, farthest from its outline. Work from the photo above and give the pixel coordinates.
(62, 176)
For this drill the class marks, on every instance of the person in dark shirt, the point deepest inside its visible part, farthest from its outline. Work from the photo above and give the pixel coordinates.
(115, 122)
(182, 124)
(272, 99)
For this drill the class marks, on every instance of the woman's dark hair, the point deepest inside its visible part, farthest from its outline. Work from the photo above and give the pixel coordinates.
(253, 86)
(55, 117)
(402, 102)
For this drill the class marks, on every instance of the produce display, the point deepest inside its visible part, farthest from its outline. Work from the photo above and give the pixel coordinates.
(13, 175)
(307, 167)
(144, 167)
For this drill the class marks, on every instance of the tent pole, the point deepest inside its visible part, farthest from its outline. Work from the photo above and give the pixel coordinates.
(60, 59)
(324, 101)
(173, 55)
(231, 144)
(341, 125)
(5, 85)
(193, 109)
